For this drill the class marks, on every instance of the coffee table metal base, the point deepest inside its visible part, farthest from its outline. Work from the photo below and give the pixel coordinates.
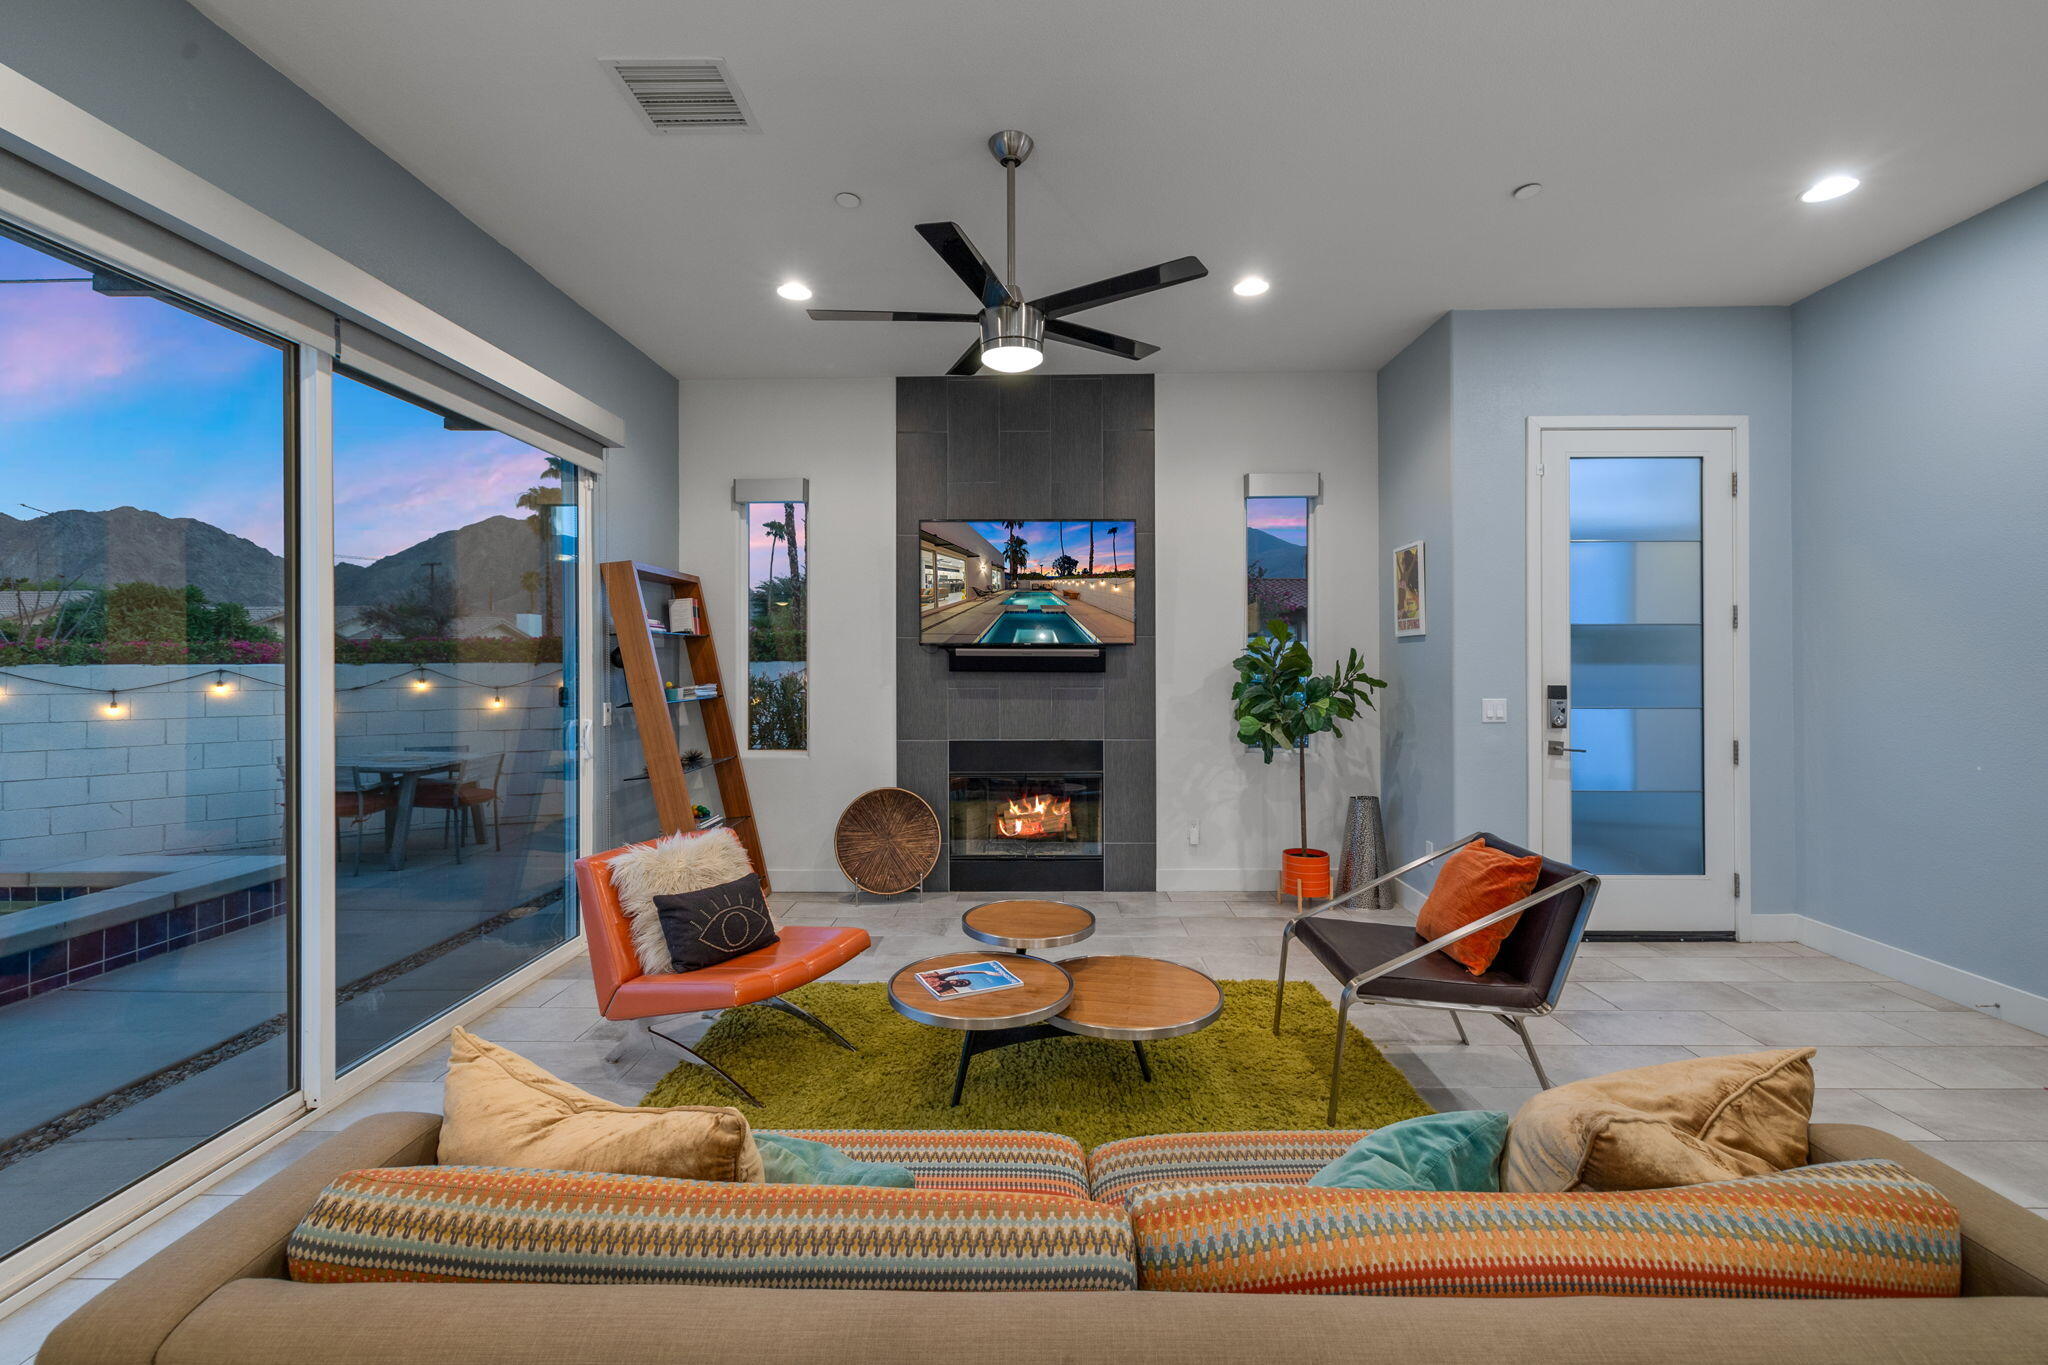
(973, 1044)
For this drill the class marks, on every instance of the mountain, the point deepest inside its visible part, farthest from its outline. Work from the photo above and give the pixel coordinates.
(127, 545)
(1279, 558)
(485, 560)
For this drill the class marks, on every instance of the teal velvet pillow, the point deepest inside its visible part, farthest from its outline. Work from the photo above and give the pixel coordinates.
(799, 1161)
(1455, 1151)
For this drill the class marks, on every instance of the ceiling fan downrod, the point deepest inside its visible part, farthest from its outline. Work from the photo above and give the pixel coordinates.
(1011, 148)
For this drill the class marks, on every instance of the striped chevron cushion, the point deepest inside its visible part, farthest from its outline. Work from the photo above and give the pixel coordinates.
(970, 1159)
(483, 1223)
(1117, 1170)
(1853, 1229)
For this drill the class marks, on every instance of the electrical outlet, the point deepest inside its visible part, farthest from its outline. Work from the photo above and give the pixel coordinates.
(1194, 832)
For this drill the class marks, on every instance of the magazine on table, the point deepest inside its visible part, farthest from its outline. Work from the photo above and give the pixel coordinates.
(974, 978)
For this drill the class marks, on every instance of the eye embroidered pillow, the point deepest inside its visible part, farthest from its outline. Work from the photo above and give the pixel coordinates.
(670, 866)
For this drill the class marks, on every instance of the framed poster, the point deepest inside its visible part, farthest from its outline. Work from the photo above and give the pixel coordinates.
(1409, 590)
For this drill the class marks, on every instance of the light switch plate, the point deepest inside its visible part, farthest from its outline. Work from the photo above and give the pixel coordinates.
(1493, 710)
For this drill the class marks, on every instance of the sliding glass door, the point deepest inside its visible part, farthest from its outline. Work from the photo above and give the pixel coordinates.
(456, 619)
(146, 749)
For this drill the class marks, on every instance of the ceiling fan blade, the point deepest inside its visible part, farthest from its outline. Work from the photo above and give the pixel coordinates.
(970, 359)
(1109, 343)
(974, 271)
(1121, 287)
(871, 315)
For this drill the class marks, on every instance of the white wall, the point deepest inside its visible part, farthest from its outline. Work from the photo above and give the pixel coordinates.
(1213, 429)
(841, 435)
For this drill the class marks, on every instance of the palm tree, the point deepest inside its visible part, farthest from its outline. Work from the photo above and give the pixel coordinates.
(775, 531)
(1091, 549)
(796, 568)
(1113, 529)
(541, 501)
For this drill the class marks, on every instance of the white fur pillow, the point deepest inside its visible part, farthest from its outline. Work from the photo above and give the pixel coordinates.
(671, 864)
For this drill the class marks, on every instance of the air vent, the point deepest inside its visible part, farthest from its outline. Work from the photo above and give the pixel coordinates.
(692, 95)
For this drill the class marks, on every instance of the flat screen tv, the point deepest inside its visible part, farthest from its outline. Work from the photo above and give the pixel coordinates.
(1027, 584)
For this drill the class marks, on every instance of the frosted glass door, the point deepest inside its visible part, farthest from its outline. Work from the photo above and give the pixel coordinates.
(1638, 798)
(1634, 571)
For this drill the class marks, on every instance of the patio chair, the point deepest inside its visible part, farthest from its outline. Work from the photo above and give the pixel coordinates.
(473, 790)
(800, 955)
(1391, 964)
(362, 796)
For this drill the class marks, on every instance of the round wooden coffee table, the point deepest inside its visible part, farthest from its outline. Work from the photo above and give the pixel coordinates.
(1028, 925)
(1137, 1000)
(992, 1019)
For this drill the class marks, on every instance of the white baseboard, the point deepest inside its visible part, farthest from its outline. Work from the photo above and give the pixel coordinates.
(1249, 880)
(1979, 993)
(798, 881)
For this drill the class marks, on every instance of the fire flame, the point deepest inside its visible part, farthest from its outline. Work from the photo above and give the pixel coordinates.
(1035, 817)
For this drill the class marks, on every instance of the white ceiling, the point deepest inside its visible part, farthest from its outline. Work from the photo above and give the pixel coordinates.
(1359, 154)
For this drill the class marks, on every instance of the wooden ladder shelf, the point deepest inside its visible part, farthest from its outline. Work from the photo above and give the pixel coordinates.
(626, 598)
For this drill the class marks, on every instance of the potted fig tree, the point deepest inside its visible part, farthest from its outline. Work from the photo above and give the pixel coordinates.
(1281, 702)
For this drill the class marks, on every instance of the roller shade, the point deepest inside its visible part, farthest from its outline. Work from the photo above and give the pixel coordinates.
(1283, 485)
(745, 491)
(390, 365)
(50, 207)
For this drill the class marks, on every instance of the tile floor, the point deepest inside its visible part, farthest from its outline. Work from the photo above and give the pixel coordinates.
(1970, 1089)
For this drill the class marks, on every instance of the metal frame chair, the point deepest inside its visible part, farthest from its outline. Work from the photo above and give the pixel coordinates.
(1556, 880)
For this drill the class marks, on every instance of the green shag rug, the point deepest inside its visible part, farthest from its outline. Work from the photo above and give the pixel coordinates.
(1232, 1075)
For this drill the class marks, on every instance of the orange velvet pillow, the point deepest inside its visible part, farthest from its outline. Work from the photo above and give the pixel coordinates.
(1475, 882)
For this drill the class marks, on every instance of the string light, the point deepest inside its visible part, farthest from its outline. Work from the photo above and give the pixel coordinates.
(421, 683)
(113, 706)
(221, 686)
(497, 703)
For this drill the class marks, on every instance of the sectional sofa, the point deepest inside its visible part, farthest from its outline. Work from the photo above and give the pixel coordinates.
(222, 1295)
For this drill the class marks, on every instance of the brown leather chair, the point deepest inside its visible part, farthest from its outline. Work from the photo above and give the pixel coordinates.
(798, 957)
(1391, 964)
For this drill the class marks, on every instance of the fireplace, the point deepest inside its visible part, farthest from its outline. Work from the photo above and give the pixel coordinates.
(1025, 815)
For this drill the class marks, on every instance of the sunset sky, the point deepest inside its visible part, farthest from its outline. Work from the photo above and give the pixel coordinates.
(1286, 518)
(110, 402)
(1044, 538)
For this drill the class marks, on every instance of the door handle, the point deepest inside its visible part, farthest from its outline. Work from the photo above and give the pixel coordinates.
(1558, 749)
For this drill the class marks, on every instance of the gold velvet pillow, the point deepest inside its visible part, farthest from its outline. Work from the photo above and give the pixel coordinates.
(502, 1110)
(1655, 1127)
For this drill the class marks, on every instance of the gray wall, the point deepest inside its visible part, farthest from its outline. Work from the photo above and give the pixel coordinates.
(1922, 491)
(1033, 448)
(1453, 455)
(166, 76)
(1508, 366)
(1415, 504)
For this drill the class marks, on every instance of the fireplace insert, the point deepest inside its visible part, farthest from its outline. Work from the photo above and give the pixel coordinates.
(1025, 816)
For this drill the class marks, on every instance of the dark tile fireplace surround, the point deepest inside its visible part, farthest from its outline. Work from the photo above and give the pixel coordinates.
(1077, 446)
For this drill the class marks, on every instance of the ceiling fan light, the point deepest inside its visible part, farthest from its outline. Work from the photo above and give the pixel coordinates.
(1013, 357)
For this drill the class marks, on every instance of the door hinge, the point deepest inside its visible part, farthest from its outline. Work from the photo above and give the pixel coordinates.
(1738, 886)
(1732, 483)
(1735, 618)
(1738, 751)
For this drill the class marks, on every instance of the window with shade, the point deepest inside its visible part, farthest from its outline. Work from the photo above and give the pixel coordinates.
(778, 648)
(1276, 564)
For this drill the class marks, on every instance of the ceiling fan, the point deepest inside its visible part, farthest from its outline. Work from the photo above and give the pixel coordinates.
(1013, 331)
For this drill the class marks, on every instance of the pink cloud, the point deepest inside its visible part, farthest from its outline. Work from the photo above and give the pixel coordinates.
(398, 493)
(60, 343)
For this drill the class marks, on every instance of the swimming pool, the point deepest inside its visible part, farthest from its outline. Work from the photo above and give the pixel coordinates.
(1034, 599)
(1036, 628)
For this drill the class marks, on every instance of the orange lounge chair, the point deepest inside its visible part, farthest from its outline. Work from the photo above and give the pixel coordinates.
(800, 956)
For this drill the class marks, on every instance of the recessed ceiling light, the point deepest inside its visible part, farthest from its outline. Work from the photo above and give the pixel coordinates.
(1528, 191)
(846, 199)
(1250, 287)
(1829, 187)
(796, 291)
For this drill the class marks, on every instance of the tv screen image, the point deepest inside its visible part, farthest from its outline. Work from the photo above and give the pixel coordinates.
(1025, 584)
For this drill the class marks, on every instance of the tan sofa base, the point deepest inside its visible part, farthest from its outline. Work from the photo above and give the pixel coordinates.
(218, 1297)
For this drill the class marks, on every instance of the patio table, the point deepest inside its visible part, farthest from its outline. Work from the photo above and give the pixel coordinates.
(404, 770)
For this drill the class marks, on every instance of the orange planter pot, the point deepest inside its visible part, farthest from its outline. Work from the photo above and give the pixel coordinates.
(1305, 872)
